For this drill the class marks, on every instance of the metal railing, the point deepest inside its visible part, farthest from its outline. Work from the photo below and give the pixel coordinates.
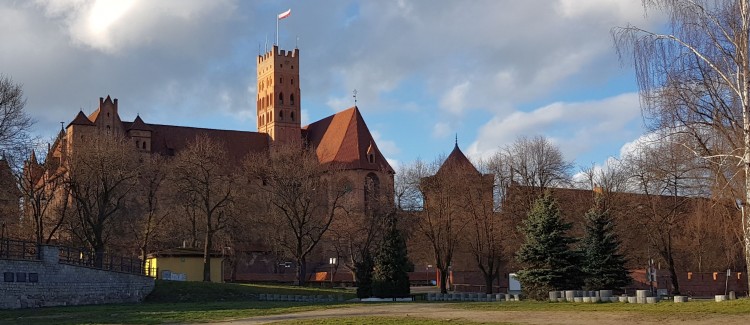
(103, 261)
(18, 250)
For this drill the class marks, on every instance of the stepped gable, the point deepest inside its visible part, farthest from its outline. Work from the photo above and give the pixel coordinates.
(169, 140)
(95, 114)
(81, 119)
(139, 125)
(457, 161)
(344, 139)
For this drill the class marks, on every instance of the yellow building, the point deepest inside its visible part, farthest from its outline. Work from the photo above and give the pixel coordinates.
(183, 264)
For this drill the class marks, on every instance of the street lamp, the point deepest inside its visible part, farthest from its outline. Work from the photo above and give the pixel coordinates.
(332, 261)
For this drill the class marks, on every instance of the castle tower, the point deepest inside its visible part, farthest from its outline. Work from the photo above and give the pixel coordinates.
(279, 99)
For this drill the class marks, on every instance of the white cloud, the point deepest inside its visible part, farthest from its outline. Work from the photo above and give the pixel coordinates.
(455, 101)
(575, 127)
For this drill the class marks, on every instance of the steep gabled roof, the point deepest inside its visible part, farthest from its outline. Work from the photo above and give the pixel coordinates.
(457, 161)
(138, 124)
(95, 114)
(81, 119)
(344, 139)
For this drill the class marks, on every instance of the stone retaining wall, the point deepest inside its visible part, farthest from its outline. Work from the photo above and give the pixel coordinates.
(46, 282)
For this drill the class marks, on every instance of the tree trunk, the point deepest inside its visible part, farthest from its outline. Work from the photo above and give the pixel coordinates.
(673, 275)
(488, 279)
(301, 271)
(443, 280)
(207, 257)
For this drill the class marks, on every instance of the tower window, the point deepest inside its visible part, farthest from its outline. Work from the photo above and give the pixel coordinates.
(281, 115)
(291, 115)
(291, 99)
(292, 81)
(292, 67)
(137, 143)
(281, 98)
(281, 80)
(371, 158)
(144, 145)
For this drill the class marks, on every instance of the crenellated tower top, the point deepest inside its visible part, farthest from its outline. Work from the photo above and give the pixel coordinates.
(278, 100)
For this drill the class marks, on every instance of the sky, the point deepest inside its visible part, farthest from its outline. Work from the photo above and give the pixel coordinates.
(486, 71)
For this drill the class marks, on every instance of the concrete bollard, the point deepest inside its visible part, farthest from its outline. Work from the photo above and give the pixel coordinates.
(507, 297)
(613, 299)
(578, 299)
(622, 298)
(732, 295)
(605, 294)
(499, 297)
(553, 295)
(720, 298)
(680, 299)
(595, 299)
(651, 300)
(586, 299)
(569, 295)
(516, 297)
(490, 297)
(632, 300)
(561, 300)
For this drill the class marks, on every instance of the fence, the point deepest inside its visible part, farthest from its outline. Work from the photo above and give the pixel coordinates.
(18, 250)
(24, 250)
(104, 261)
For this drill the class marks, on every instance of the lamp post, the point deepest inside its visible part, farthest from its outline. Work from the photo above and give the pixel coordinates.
(332, 261)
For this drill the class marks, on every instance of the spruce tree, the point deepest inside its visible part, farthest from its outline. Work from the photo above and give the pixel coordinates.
(390, 278)
(364, 276)
(549, 262)
(603, 265)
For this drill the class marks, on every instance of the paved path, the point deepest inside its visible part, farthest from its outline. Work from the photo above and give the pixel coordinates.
(446, 312)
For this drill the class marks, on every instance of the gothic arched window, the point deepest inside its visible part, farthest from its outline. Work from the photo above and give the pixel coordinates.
(281, 98)
(291, 99)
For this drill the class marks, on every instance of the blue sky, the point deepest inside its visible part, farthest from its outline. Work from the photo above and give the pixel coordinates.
(487, 70)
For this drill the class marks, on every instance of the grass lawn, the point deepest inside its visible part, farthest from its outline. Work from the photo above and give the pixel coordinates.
(179, 302)
(733, 307)
(378, 321)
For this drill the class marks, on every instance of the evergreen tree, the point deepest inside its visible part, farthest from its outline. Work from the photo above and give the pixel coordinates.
(364, 276)
(391, 279)
(603, 266)
(548, 259)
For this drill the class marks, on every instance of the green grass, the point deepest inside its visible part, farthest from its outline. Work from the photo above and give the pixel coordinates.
(173, 291)
(154, 313)
(179, 302)
(377, 321)
(734, 307)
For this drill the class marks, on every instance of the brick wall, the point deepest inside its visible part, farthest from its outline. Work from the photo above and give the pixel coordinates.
(45, 282)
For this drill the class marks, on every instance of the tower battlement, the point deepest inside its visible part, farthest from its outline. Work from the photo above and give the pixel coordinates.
(276, 53)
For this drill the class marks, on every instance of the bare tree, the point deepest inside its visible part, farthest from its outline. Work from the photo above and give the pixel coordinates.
(303, 198)
(695, 80)
(443, 219)
(45, 198)
(536, 162)
(101, 174)
(14, 122)
(203, 177)
(484, 228)
(150, 207)
(666, 175)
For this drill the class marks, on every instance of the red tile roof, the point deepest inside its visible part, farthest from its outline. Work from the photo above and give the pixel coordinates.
(138, 124)
(81, 119)
(344, 139)
(457, 160)
(169, 139)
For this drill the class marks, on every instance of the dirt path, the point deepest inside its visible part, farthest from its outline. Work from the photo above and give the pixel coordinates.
(446, 312)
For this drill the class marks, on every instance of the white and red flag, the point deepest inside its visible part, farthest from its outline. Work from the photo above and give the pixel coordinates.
(285, 14)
